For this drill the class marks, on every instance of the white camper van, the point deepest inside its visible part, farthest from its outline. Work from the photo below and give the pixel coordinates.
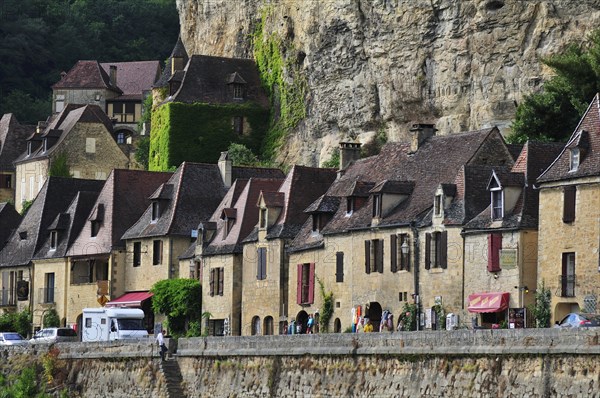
(108, 324)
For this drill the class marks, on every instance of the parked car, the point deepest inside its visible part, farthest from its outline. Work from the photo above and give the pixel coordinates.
(12, 338)
(54, 335)
(580, 320)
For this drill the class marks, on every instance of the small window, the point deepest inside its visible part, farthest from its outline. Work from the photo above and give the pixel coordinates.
(53, 240)
(316, 222)
(306, 283)
(120, 137)
(399, 252)
(7, 181)
(437, 205)
(130, 108)
(350, 203)
(90, 145)
(376, 206)
(339, 266)
(263, 218)
(238, 91)
(261, 266)
(574, 159)
(216, 281)
(157, 252)
(155, 211)
(137, 254)
(28, 148)
(95, 227)
(569, 203)
(374, 256)
(436, 250)
(497, 204)
(117, 108)
(238, 125)
(494, 247)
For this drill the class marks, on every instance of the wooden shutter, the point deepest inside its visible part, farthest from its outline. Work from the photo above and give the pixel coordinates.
(311, 283)
(427, 251)
(261, 266)
(368, 256)
(379, 255)
(221, 277)
(393, 252)
(494, 246)
(339, 266)
(569, 196)
(443, 252)
(212, 282)
(299, 285)
(563, 279)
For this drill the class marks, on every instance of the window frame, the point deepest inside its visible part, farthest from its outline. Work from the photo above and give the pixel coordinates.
(574, 159)
(53, 240)
(436, 250)
(374, 256)
(157, 252)
(261, 266)
(137, 254)
(569, 203)
(339, 266)
(305, 293)
(497, 203)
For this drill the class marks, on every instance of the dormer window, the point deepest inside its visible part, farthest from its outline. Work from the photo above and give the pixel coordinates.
(574, 159)
(23, 235)
(155, 211)
(497, 203)
(376, 206)
(229, 215)
(95, 227)
(437, 205)
(53, 240)
(317, 221)
(45, 144)
(28, 148)
(238, 91)
(350, 204)
(263, 218)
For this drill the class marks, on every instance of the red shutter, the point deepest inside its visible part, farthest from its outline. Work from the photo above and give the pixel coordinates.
(299, 285)
(427, 251)
(444, 250)
(221, 277)
(212, 282)
(311, 284)
(494, 245)
(368, 256)
(569, 204)
(393, 252)
(379, 255)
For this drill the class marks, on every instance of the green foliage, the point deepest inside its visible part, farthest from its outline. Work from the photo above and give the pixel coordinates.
(26, 385)
(540, 309)
(334, 160)
(327, 309)
(408, 318)
(242, 156)
(146, 111)
(180, 300)
(200, 132)
(441, 316)
(374, 146)
(59, 166)
(26, 205)
(19, 322)
(51, 319)
(39, 39)
(142, 151)
(553, 113)
(279, 64)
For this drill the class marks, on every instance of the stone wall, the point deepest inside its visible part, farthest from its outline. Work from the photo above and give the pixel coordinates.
(483, 363)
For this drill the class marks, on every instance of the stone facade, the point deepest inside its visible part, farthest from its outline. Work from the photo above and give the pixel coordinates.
(45, 296)
(30, 177)
(81, 96)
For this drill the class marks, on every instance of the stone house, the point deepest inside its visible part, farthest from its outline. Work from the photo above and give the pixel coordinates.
(266, 268)
(81, 135)
(569, 223)
(13, 142)
(500, 243)
(219, 253)
(118, 88)
(206, 104)
(164, 231)
(96, 258)
(382, 237)
(32, 262)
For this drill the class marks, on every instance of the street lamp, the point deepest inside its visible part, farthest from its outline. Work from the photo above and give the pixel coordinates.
(405, 248)
(522, 291)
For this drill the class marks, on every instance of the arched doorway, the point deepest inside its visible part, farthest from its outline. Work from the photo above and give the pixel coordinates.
(373, 312)
(302, 319)
(255, 326)
(562, 309)
(337, 326)
(268, 326)
(123, 136)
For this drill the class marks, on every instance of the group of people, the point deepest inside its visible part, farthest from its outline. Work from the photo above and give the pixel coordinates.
(365, 325)
(299, 328)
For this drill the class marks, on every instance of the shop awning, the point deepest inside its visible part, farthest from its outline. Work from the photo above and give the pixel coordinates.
(488, 302)
(130, 300)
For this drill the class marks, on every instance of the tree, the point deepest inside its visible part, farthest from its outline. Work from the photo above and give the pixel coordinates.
(540, 309)
(51, 319)
(180, 300)
(240, 155)
(142, 151)
(553, 113)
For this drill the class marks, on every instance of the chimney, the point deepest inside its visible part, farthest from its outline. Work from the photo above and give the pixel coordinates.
(349, 152)
(225, 169)
(420, 132)
(113, 75)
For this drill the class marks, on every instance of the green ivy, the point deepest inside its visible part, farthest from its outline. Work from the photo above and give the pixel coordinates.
(200, 132)
(179, 300)
(408, 318)
(59, 166)
(541, 307)
(279, 69)
(327, 310)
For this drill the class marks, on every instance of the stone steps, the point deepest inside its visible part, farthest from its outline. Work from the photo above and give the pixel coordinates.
(172, 374)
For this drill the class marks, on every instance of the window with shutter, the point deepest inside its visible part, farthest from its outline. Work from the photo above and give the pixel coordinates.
(568, 275)
(494, 247)
(221, 272)
(427, 251)
(443, 248)
(379, 255)
(404, 252)
(311, 284)
(299, 284)
(157, 252)
(212, 282)
(393, 253)
(569, 196)
(368, 256)
(339, 266)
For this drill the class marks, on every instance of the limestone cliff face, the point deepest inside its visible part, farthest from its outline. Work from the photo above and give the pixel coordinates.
(381, 65)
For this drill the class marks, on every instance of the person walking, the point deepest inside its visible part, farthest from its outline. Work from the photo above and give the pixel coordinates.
(160, 340)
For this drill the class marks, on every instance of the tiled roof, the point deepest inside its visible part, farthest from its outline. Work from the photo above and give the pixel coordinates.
(134, 78)
(54, 198)
(206, 80)
(13, 136)
(123, 199)
(178, 51)
(10, 220)
(273, 199)
(325, 204)
(244, 205)
(197, 191)
(589, 163)
(394, 187)
(86, 75)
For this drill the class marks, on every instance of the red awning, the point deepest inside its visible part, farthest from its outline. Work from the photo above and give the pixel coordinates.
(488, 302)
(131, 300)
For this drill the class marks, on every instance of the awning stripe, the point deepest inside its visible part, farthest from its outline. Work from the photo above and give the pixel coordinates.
(488, 302)
(132, 299)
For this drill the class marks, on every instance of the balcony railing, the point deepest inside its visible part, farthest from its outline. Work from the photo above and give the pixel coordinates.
(567, 285)
(46, 295)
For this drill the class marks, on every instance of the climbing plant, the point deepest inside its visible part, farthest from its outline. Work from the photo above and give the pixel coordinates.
(327, 310)
(408, 317)
(540, 309)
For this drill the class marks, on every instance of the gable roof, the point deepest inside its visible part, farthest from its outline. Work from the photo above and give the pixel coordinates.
(178, 52)
(54, 198)
(13, 140)
(197, 191)
(587, 133)
(134, 78)
(86, 75)
(10, 220)
(207, 79)
(123, 199)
